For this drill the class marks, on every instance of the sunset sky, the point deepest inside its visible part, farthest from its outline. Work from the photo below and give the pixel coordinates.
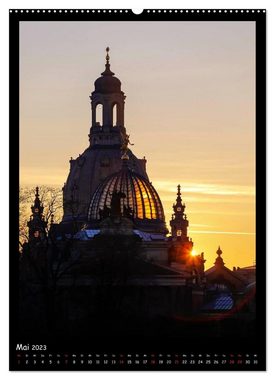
(190, 109)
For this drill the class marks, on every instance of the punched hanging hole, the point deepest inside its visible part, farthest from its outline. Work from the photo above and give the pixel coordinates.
(137, 11)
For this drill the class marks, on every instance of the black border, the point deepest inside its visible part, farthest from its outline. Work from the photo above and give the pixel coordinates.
(257, 15)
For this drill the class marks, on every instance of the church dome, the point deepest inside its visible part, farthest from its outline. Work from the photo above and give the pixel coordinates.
(107, 83)
(139, 200)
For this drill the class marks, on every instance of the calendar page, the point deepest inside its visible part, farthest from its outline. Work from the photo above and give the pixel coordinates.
(137, 143)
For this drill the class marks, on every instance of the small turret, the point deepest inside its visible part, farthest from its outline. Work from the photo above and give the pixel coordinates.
(37, 223)
(181, 245)
(179, 222)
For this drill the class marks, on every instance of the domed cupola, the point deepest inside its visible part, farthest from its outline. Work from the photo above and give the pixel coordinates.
(137, 196)
(107, 83)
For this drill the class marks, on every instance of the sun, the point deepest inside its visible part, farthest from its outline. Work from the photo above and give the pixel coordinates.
(194, 253)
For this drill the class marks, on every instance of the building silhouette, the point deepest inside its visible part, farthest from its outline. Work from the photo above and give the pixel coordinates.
(111, 251)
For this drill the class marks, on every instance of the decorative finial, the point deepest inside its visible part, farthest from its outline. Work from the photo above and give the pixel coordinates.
(219, 260)
(107, 55)
(179, 193)
(107, 70)
(219, 251)
(37, 192)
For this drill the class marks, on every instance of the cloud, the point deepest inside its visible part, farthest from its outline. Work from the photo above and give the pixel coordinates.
(205, 189)
(221, 232)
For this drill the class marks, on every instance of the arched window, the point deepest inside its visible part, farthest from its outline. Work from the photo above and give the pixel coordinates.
(114, 114)
(99, 114)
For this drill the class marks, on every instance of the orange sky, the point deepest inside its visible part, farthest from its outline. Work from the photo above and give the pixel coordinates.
(190, 109)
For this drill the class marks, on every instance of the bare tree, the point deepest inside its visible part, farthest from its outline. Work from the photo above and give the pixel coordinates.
(43, 261)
